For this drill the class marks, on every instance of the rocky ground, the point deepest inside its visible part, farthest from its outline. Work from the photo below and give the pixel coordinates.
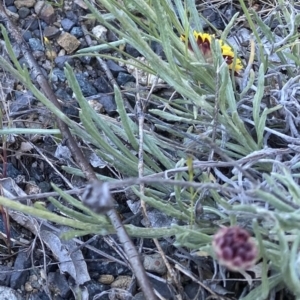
(55, 31)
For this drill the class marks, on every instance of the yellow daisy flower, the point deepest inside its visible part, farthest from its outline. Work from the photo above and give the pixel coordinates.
(203, 41)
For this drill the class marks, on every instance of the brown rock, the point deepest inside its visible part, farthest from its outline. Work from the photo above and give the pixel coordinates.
(24, 3)
(45, 11)
(68, 42)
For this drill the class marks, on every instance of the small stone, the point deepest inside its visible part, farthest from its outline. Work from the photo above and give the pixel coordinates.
(124, 78)
(154, 263)
(32, 188)
(24, 3)
(51, 32)
(20, 273)
(102, 85)
(72, 16)
(122, 282)
(68, 42)
(108, 102)
(59, 74)
(77, 32)
(86, 87)
(45, 11)
(28, 287)
(9, 2)
(36, 45)
(60, 61)
(12, 9)
(24, 12)
(67, 24)
(114, 67)
(106, 279)
(58, 284)
(31, 23)
(50, 54)
(27, 35)
(132, 51)
(99, 32)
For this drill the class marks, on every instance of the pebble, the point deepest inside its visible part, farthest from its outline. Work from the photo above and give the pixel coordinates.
(77, 32)
(123, 78)
(58, 75)
(22, 102)
(50, 54)
(12, 9)
(24, 3)
(108, 103)
(102, 85)
(106, 279)
(99, 32)
(51, 32)
(9, 2)
(67, 24)
(58, 284)
(4, 275)
(68, 42)
(114, 67)
(31, 23)
(19, 277)
(36, 45)
(24, 12)
(154, 263)
(60, 61)
(132, 51)
(87, 88)
(27, 35)
(122, 282)
(45, 11)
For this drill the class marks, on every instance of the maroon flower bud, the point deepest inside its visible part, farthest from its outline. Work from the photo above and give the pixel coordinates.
(235, 248)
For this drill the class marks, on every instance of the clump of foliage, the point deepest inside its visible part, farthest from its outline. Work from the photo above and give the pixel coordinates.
(227, 145)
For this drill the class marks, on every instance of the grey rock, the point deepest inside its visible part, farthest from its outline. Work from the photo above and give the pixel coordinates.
(77, 32)
(27, 35)
(51, 32)
(24, 12)
(132, 51)
(58, 284)
(9, 2)
(45, 187)
(72, 16)
(31, 23)
(60, 61)
(108, 103)
(86, 87)
(67, 24)
(162, 288)
(19, 277)
(123, 78)
(22, 102)
(102, 85)
(24, 3)
(11, 171)
(95, 288)
(23, 62)
(114, 67)
(45, 11)
(69, 107)
(4, 275)
(192, 289)
(36, 45)
(139, 296)
(58, 75)
(13, 9)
